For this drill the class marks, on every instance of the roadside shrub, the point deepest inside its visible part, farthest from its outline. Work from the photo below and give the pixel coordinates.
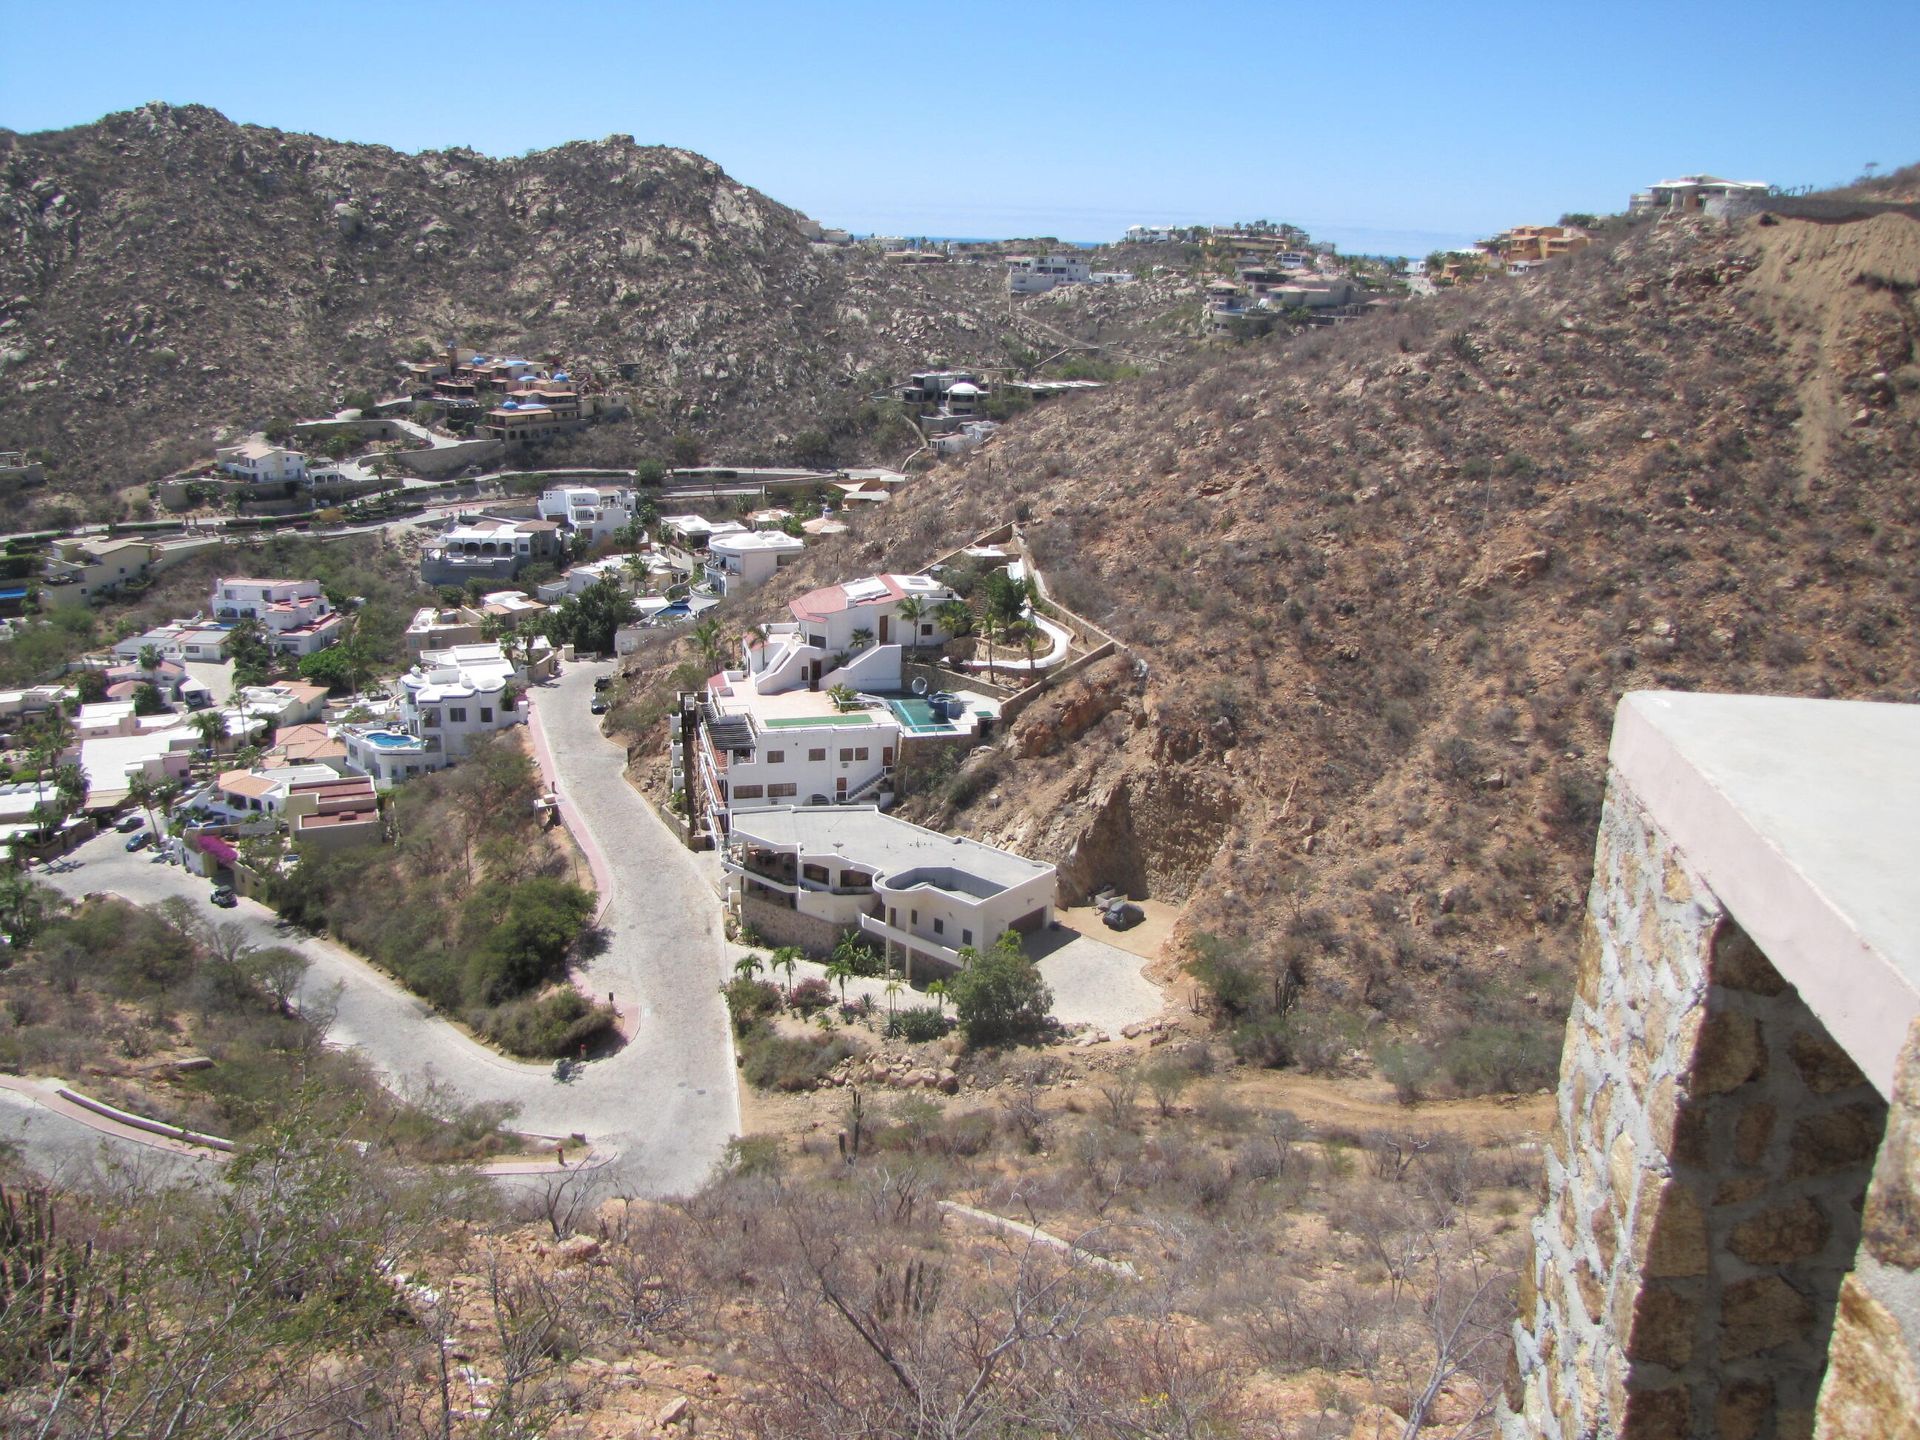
(548, 1026)
(772, 1061)
(810, 997)
(918, 1025)
(1268, 1041)
(750, 1001)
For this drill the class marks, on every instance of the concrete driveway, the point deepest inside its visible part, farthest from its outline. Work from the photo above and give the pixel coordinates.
(1094, 983)
(665, 1106)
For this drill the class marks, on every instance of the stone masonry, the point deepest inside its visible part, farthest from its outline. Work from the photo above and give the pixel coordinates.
(1703, 1188)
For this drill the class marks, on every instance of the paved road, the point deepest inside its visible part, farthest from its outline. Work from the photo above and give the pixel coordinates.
(665, 1105)
(67, 1152)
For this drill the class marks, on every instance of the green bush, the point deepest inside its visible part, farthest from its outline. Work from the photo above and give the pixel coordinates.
(546, 1027)
(1501, 1059)
(1407, 1067)
(750, 1001)
(523, 934)
(999, 997)
(918, 1024)
(772, 1061)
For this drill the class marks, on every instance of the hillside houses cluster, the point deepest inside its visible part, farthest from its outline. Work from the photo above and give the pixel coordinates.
(789, 759)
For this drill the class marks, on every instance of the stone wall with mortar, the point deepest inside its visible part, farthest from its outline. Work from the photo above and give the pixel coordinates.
(1872, 1390)
(1704, 1182)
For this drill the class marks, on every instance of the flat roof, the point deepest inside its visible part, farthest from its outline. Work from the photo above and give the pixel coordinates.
(1803, 817)
(864, 836)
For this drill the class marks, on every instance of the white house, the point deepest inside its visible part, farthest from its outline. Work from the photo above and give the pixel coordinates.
(581, 577)
(600, 511)
(262, 463)
(695, 532)
(1708, 193)
(445, 700)
(295, 615)
(921, 895)
(1028, 275)
(489, 549)
(1149, 235)
(740, 561)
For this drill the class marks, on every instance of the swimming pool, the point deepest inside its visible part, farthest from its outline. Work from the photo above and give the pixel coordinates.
(916, 715)
(390, 740)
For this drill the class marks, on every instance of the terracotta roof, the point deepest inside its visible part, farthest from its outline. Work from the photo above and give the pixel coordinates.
(244, 782)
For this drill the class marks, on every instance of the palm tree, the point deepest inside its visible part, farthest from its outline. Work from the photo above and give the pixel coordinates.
(840, 971)
(706, 638)
(149, 657)
(991, 629)
(894, 987)
(938, 990)
(912, 610)
(843, 696)
(210, 726)
(786, 958)
(955, 617)
(747, 966)
(144, 791)
(860, 639)
(1028, 633)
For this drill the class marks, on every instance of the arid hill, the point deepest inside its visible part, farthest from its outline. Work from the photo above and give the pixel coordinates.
(164, 272)
(1388, 584)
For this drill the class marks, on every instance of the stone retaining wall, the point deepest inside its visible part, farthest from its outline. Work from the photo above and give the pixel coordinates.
(776, 925)
(1703, 1189)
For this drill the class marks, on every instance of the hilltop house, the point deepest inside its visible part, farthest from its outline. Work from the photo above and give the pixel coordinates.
(78, 570)
(262, 462)
(489, 549)
(1028, 275)
(743, 560)
(294, 614)
(695, 532)
(597, 511)
(1696, 193)
(804, 875)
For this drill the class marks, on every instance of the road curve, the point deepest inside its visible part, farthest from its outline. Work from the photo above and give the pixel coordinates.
(666, 1105)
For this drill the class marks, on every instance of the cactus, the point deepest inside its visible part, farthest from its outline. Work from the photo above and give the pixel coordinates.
(51, 1299)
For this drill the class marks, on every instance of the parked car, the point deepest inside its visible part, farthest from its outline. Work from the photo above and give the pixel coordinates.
(1123, 915)
(130, 823)
(224, 897)
(605, 682)
(139, 841)
(599, 706)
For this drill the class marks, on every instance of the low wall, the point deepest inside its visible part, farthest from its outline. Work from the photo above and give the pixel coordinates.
(1730, 1239)
(445, 460)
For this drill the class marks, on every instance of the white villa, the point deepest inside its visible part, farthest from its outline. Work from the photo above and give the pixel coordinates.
(488, 549)
(771, 733)
(600, 511)
(262, 463)
(445, 700)
(695, 532)
(1028, 275)
(1708, 193)
(920, 894)
(737, 562)
(294, 613)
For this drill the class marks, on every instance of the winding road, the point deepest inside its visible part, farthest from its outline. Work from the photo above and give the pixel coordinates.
(663, 1108)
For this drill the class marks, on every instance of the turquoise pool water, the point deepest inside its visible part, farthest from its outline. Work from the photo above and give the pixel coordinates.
(389, 740)
(915, 715)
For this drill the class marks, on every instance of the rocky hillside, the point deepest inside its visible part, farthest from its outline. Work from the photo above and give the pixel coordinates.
(165, 272)
(1389, 583)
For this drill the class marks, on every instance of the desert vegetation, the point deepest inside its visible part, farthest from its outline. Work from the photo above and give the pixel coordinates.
(470, 905)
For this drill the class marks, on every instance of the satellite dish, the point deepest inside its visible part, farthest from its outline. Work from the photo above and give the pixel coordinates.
(920, 685)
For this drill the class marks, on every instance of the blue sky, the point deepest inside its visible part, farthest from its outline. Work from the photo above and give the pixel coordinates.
(1385, 127)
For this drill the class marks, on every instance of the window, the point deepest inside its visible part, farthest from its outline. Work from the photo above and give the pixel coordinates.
(966, 937)
(939, 926)
(775, 757)
(846, 755)
(860, 752)
(457, 715)
(816, 754)
(486, 715)
(926, 629)
(815, 873)
(747, 792)
(913, 917)
(855, 880)
(782, 792)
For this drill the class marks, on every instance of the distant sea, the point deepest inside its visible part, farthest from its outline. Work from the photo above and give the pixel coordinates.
(1352, 240)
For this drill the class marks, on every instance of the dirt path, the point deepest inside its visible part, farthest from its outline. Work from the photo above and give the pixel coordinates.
(1367, 1104)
